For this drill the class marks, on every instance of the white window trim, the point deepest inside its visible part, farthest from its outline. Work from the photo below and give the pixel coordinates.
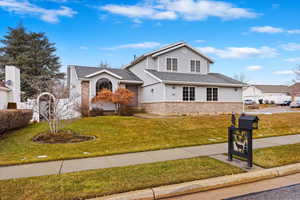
(218, 97)
(189, 94)
(171, 64)
(195, 66)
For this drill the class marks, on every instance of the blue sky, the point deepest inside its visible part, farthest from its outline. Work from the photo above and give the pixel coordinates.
(260, 39)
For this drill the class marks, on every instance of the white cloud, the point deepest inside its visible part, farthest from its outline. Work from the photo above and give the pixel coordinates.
(83, 48)
(186, 9)
(199, 41)
(241, 52)
(291, 46)
(297, 59)
(284, 72)
(254, 68)
(266, 29)
(25, 7)
(294, 31)
(143, 45)
(273, 30)
(139, 12)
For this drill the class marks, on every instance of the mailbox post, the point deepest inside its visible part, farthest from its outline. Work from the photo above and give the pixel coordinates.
(240, 139)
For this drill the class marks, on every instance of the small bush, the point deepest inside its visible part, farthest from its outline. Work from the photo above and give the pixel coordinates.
(13, 119)
(12, 105)
(96, 112)
(136, 110)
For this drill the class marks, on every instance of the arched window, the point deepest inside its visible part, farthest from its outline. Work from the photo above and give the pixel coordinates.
(103, 83)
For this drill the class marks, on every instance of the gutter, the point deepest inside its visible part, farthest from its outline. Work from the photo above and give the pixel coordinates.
(203, 83)
(129, 81)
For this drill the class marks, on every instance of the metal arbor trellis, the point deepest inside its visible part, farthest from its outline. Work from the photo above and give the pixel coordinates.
(51, 100)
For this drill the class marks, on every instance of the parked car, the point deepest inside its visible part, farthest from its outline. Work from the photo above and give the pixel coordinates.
(249, 102)
(295, 104)
(286, 103)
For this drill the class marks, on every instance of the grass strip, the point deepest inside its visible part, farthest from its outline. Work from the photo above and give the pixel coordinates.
(277, 156)
(116, 135)
(93, 183)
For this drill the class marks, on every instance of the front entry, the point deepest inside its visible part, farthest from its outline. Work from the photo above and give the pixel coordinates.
(135, 90)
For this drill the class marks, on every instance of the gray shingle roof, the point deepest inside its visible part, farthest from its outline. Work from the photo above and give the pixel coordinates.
(273, 88)
(209, 78)
(83, 71)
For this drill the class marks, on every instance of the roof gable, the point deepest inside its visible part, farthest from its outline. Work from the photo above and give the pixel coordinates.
(180, 46)
(103, 71)
(166, 49)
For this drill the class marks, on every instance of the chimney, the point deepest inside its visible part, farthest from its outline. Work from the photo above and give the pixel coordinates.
(12, 80)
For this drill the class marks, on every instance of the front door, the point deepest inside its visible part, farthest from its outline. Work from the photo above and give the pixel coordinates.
(135, 90)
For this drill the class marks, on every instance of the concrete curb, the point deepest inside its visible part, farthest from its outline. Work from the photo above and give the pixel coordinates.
(204, 185)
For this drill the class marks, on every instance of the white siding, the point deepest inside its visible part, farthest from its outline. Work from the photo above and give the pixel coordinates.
(75, 84)
(12, 73)
(139, 71)
(230, 94)
(184, 56)
(153, 93)
(3, 98)
(174, 93)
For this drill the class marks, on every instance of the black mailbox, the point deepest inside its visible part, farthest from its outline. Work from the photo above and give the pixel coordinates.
(248, 122)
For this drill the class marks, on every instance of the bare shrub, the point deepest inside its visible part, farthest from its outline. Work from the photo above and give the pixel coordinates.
(13, 119)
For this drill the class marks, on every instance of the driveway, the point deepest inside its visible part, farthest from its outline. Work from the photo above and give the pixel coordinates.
(271, 110)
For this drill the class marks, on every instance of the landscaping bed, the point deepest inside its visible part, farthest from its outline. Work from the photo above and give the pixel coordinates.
(115, 135)
(93, 183)
(64, 136)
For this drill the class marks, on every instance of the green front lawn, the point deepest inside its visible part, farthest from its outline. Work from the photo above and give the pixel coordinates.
(89, 184)
(277, 156)
(129, 134)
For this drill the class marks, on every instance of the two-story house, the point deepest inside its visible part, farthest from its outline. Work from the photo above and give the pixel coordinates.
(175, 79)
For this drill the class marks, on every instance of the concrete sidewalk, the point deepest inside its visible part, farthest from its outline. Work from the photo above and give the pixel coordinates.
(65, 166)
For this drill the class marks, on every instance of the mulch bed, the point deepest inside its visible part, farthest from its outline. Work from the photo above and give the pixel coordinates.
(63, 136)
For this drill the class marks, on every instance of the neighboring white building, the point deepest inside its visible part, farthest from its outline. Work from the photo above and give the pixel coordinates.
(275, 93)
(175, 79)
(10, 89)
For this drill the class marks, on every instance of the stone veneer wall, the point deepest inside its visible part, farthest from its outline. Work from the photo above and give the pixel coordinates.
(192, 108)
(85, 97)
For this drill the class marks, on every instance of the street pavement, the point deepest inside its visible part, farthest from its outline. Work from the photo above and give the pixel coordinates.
(65, 166)
(291, 192)
(282, 188)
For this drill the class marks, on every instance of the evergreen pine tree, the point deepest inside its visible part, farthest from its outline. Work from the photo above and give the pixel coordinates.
(34, 55)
